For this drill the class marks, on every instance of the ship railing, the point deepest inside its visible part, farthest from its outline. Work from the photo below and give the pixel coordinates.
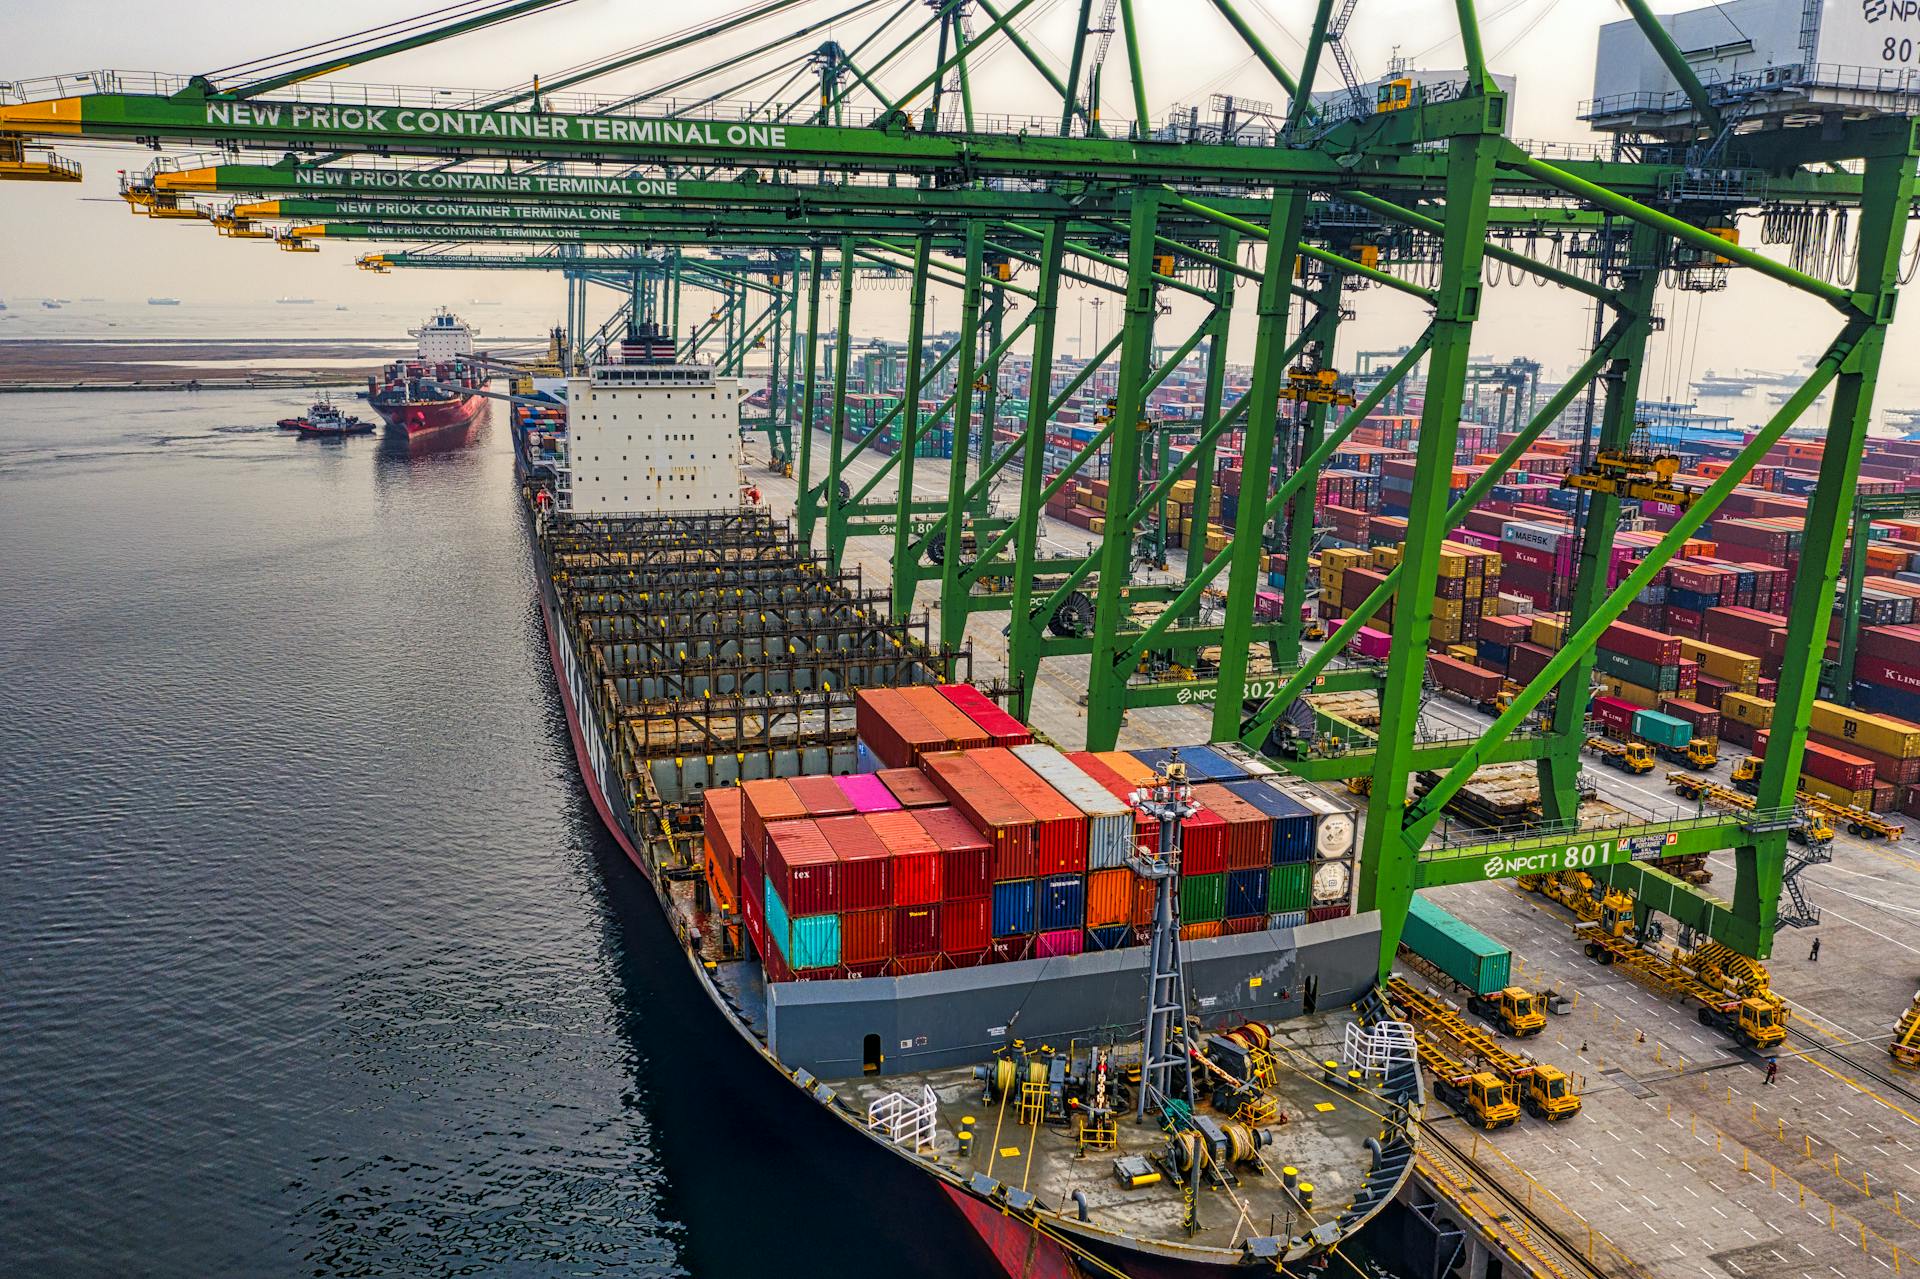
(1378, 1048)
(905, 1122)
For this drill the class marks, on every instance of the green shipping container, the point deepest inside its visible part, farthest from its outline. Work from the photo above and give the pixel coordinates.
(1662, 679)
(1288, 887)
(1662, 730)
(1456, 948)
(1203, 898)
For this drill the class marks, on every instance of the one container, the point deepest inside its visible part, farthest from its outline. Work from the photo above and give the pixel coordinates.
(1109, 898)
(911, 787)
(961, 732)
(1001, 728)
(1246, 893)
(822, 796)
(722, 809)
(916, 929)
(1146, 829)
(1060, 827)
(803, 868)
(1332, 882)
(1060, 941)
(1114, 937)
(892, 729)
(865, 871)
(768, 800)
(1110, 823)
(966, 924)
(1321, 914)
(1203, 897)
(1205, 764)
(1013, 907)
(1287, 887)
(1336, 820)
(1669, 731)
(1003, 819)
(1291, 822)
(1249, 831)
(915, 879)
(1456, 948)
(1062, 902)
(867, 793)
(966, 855)
(866, 936)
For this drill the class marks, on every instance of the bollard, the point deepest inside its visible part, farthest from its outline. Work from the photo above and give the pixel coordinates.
(1743, 1159)
(1809, 1146)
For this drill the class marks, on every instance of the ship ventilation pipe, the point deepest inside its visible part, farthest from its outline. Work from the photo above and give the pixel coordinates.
(1080, 1202)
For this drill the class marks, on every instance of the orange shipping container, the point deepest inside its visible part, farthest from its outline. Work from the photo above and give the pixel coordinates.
(1109, 898)
(1194, 932)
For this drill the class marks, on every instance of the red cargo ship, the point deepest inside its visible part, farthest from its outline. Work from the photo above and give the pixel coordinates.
(436, 389)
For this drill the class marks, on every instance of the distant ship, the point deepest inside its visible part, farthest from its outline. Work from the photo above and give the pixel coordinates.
(294, 301)
(435, 389)
(1717, 384)
(163, 301)
(50, 304)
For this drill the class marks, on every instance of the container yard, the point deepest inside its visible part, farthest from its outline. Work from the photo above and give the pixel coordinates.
(1291, 783)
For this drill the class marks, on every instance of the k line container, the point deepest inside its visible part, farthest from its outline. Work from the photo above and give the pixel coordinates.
(1014, 907)
(1109, 822)
(966, 856)
(1456, 948)
(1003, 819)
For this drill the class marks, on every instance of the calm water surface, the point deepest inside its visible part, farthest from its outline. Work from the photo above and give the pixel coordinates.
(315, 959)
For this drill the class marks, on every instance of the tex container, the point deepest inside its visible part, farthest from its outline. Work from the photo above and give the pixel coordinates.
(911, 787)
(1291, 822)
(966, 925)
(916, 929)
(966, 856)
(892, 729)
(961, 732)
(1001, 728)
(1110, 823)
(803, 868)
(867, 793)
(1246, 893)
(1004, 820)
(1062, 902)
(1060, 828)
(915, 877)
(1249, 831)
(1013, 907)
(1662, 730)
(767, 800)
(1288, 886)
(865, 869)
(821, 795)
(1457, 948)
(1203, 898)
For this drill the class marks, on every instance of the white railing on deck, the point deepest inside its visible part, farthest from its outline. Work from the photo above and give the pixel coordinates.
(904, 1121)
(1376, 1049)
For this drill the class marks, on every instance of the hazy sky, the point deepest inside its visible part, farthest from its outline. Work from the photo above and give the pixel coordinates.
(68, 242)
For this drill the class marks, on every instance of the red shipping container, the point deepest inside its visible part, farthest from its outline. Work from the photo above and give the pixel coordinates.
(1249, 831)
(1060, 835)
(1885, 767)
(1847, 771)
(1885, 794)
(1320, 914)
(1710, 689)
(802, 868)
(952, 722)
(1737, 731)
(871, 968)
(1897, 645)
(916, 930)
(914, 965)
(822, 796)
(1876, 670)
(1001, 728)
(722, 810)
(866, 936)
(768, 800)
(1473, 682)
(911, 787)
(966, 856)
(966, 924)
(865, 873)
(1638, 641)
(1526, 661)
(1203, 843)
(996, 814)
(1007, 949)
(1246, 924)
(915, 877)
(896, 732)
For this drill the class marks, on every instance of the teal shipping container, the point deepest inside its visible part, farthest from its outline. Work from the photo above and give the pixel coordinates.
(1456, 948)
(1662, 730)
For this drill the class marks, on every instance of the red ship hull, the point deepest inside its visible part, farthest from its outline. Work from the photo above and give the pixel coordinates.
(417, 417)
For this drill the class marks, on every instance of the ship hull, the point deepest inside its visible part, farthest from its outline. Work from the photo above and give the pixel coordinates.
(419, 417)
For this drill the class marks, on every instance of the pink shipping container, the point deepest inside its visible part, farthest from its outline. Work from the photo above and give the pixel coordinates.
(866, 863)
(1001, 728)
(911, 787)
(867, 793)
(1061, 941)
(822, 796)
(768, 800)
(803, 868)
(966, 855)
(996, 814)
(1371, 643)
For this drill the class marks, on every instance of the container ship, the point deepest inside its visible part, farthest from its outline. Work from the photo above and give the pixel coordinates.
(434, 390)
(1117, 1006)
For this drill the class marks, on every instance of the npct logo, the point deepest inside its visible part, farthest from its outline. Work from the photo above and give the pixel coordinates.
(1494, 866)
(1874, 10)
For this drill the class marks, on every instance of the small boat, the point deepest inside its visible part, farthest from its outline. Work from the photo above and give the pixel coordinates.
(324, 419)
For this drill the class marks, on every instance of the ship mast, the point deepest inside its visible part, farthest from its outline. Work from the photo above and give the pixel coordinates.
(1166, 1075)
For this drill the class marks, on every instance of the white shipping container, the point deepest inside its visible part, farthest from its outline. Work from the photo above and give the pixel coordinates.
(1542, 537)
(1110, 823)
(1333, 825)
(1332, 882)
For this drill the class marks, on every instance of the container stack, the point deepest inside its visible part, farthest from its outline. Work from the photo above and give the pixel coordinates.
(1641, 666)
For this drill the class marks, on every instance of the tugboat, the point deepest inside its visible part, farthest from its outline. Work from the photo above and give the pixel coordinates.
(435, 389)
(323, 419)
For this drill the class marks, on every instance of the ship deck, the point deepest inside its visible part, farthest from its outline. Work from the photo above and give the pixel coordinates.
(1321, 1133)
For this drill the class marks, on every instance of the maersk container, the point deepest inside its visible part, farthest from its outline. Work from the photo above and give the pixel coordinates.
(1456, 948)
(1013, 907)
(1669, 731)
(1203, 898)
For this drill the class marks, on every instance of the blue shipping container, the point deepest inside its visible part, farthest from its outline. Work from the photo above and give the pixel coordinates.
(1109, 938)
(1287, 919)
(1063, 901)
(1879, 698)
(1246, 893)
(1205, 764)
(1492, 656)
(1292, 822)
(1013, 901)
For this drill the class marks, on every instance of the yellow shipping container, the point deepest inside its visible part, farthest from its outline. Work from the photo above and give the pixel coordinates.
(1182, 491)
(1097, 525)
(1097, 501)
(1645, 698)
(1476, 587)
(1445, 629)
(1748, 709)
(1547, 630)
(1875, 732)
(1464, 652)
(1838, 794)
(1447, 608)
(1742, 670)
